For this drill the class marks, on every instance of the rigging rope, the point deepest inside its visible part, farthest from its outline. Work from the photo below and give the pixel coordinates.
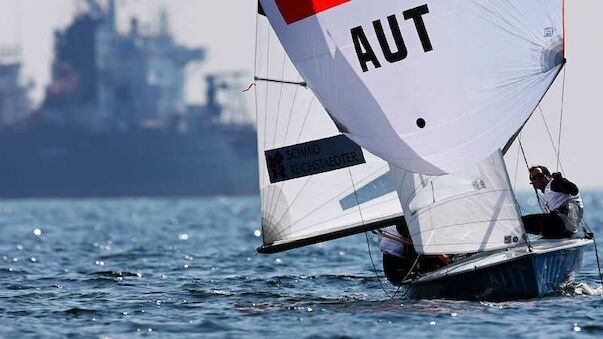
(537, 197)
(516, 165)
(412, 268)
(589, 234)
(392, 237)
(408, 274)
(368, 245)
(597, 256)
(367, 239)
(249, 88)
(546, 126)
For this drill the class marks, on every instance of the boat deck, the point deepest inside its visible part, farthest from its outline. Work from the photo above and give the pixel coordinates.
(488, 259)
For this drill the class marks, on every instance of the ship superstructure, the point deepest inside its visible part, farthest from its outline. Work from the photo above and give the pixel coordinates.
(104, 80)
(114, 121)
(14, 101)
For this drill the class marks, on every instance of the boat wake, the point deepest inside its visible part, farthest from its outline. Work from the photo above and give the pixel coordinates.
(584, 289)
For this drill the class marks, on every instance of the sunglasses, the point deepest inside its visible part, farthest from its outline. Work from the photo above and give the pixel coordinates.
(536, 176)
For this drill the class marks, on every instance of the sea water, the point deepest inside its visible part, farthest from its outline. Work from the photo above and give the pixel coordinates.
(122, 268)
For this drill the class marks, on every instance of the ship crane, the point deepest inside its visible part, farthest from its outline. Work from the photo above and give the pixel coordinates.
(223, 96)
(97, 10)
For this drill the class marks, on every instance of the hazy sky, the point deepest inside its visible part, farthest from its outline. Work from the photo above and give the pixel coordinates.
(227, 28)
(581, 135)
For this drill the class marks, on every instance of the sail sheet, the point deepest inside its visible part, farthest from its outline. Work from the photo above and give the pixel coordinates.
(465, 212)
(432, 86)
(321, 206)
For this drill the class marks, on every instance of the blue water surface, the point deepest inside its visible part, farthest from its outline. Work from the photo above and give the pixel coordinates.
(122, 268)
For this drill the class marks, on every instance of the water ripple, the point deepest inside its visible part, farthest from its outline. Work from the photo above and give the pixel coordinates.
(181, 268)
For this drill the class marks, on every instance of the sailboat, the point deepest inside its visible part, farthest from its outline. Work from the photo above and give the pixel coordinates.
(372, 114)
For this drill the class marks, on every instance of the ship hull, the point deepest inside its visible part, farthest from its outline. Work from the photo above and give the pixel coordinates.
(66, 163)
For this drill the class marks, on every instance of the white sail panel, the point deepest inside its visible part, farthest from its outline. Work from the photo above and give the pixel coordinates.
(469, 211)
(433, 86)
(289, 114)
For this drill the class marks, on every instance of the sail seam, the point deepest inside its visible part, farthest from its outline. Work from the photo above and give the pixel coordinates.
(326, 220)
(330, 219)
(442, 202)
(290, 115)
(274, 200)
(437, 227)
(341, 228)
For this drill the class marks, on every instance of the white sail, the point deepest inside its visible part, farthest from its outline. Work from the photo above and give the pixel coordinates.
(469, 211)
(432, 86)
(306, 209)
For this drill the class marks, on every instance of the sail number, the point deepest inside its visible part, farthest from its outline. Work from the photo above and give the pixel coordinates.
(365, 52)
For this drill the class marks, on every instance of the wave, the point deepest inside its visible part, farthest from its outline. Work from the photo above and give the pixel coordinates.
(584, 289)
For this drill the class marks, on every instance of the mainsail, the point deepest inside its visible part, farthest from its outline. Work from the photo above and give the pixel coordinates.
(315, 199)
(432, 86)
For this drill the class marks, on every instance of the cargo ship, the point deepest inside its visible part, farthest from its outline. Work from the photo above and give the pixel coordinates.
(114, 121)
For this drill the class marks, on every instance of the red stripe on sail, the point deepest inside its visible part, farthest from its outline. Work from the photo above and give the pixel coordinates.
(563, 15)
(295, 10)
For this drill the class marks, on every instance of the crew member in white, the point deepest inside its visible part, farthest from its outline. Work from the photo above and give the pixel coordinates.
(563, 205)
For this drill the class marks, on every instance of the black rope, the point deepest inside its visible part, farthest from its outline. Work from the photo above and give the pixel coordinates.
(525, 159)
(538, 198)
(589, 234)
(523, 152)
(298, 83)
(375, 270)
(412, 267)
(408, 274)
(368, 245)
(598, 263)
(516, 165)
(548, 131)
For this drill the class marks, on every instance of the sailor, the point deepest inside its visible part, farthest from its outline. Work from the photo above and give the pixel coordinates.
(400, 260)
(563, 205)
(396, 262)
